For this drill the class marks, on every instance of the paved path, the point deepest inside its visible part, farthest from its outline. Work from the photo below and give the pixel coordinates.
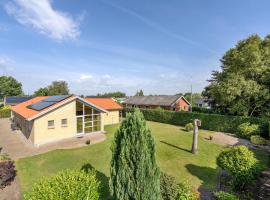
(17, 146)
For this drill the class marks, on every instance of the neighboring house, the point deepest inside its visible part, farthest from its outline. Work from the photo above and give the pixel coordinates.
(12, 101)
(114, 114)
(167, 102)
(203, 103)
(48, 119)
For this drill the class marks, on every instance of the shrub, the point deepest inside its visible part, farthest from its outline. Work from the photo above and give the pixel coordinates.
(7, 173)
(225, 196)
(134, 170)
(189, 127)
(246, 130)
(68, 184)
(240, 163)
(5, 112)
(185, 192)
(212, 122)
(168, 187)
(258, 140)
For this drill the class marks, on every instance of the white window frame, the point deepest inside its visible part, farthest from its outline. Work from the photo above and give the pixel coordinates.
(51, 126)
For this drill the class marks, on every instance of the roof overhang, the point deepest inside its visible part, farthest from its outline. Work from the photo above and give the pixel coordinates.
(65, 102)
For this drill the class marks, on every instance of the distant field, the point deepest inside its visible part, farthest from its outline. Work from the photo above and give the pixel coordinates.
(173, 155)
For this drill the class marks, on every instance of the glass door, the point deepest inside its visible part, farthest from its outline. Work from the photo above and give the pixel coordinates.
(79, 125)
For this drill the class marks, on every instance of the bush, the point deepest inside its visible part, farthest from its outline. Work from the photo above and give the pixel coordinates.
(5, 112)
(246, 130)
(189, 127)
(258, 140)
(7, 173)
(212, 122)
(225, 196)
(241, 164)
(168, 187)
(185, 192)
(66, 185)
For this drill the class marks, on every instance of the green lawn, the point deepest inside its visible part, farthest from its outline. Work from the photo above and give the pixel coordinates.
(173, 155)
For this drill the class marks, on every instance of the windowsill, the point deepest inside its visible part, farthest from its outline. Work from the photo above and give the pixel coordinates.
(52, 127)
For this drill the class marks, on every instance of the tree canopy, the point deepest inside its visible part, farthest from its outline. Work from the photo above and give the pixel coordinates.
(116, 94)
(134, 171)
(56, 88)
(242, 86)
(9, 86)
(139, 93)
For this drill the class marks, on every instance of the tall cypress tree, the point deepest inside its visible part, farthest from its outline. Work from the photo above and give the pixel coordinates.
(134, 171)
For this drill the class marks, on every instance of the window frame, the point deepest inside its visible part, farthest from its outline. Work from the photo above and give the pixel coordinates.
(50, 126)
(66, 124)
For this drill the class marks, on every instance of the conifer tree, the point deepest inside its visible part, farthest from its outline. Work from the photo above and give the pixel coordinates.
(134, 171)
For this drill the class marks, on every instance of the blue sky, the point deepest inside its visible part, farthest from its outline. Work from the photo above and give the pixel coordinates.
(106, 45)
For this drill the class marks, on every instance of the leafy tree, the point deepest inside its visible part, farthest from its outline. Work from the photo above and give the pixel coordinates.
(134, 171)
(58, 88)
(139, 93)
(42, 92)
(242, 86)
(9, 86)
(194, 96)
(116, 94)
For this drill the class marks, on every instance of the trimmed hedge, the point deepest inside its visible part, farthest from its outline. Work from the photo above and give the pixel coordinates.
(212, 122)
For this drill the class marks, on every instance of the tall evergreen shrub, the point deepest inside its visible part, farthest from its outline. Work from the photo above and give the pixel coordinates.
(134, 171)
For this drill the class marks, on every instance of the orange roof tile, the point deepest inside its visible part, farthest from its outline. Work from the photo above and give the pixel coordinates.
(105, 103)
(25, 112)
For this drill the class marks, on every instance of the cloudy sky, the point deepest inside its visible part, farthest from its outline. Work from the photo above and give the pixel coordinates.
(106, 45)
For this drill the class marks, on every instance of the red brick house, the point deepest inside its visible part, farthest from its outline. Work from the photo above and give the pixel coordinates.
(167, 102)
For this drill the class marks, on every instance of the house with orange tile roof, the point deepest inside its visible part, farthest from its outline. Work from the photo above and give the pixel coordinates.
(46, 119)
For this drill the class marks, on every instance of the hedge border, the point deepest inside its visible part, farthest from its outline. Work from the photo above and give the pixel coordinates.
(212, 122)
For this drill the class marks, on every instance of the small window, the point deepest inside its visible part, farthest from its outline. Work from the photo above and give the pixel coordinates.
(64, 122)
(51, 124)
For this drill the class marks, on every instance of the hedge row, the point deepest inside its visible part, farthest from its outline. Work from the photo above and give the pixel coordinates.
(4, 113)
(212, 122)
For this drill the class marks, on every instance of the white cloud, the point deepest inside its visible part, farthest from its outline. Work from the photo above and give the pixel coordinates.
(40, 15)
(85, 77)
(5, 64)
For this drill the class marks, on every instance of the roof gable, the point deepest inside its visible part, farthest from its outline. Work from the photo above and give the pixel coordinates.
(30, 114)
(159, 100)
(105, 103)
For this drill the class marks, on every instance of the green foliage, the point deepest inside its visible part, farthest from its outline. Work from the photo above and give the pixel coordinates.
(194, 96)
(186, 192)
(139, 93)
(134, 171)
(159, 109)
(212, 122)
(243, 85)
(258, 140)
(66, 185)
(5, 112)
(56, 88)
(225, 196)
(9, 86)
(246, 130)
(168, 187)
(117, 94)
(189, 127)
(42, 92)
(241, 164)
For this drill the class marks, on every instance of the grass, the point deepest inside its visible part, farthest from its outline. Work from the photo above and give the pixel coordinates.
(173, 155)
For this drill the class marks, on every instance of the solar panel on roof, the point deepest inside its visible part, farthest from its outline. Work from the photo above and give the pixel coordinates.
(40, 105)
(47, 102)
(55, 98)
